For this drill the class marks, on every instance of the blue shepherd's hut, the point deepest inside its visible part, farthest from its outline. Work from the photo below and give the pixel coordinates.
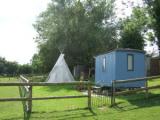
(120, 64)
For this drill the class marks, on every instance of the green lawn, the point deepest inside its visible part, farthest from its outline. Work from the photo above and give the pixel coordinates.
(131, 107)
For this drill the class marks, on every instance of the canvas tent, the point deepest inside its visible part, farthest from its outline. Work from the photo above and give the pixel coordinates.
(60, 72)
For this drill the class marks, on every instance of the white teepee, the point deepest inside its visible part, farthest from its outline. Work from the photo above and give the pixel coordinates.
(60, 72)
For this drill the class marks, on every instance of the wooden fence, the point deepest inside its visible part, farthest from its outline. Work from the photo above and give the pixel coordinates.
(25, 89)
(146, 88)
(26, 92)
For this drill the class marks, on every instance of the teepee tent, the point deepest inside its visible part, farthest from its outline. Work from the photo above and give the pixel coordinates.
(60, 72)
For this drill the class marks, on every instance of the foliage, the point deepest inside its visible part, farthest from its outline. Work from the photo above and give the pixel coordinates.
(133, 28)
(7, 67)
(25, 69)
(13, 68)
(79, 28)
(154, 8)
(36, 64)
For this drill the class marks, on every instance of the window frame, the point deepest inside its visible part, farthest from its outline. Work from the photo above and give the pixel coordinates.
(132, 62)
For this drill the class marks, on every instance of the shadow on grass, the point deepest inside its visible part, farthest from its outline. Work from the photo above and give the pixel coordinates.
(81, 113)
(137, 101)
(60, 87)
(14, 118)
(27, 116)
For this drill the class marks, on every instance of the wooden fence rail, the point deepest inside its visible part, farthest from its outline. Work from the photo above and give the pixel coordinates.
(146, 87)
(41, 98)
(136, 90)
(136, 79)
(27, 86)
(42, 83)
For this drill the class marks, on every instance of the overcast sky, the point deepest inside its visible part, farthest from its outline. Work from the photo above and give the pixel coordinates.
(17, 32)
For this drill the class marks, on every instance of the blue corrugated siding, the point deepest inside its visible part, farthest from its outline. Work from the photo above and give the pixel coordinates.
(104, 78)
(121, 68)
(116, 68)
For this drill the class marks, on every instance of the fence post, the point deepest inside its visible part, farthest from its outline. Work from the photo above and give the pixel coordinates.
(89, 95)
(30, 101)
(146, 87)
(113, 94)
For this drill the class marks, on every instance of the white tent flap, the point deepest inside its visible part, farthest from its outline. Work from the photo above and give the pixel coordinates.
(60, 72)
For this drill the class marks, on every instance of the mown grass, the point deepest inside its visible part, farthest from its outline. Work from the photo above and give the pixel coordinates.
(129, 107)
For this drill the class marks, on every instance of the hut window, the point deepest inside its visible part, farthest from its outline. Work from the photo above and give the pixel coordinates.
(130, 60)
(104, 64)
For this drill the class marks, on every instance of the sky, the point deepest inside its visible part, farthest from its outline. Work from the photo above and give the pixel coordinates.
(124, 9)
(17, 32)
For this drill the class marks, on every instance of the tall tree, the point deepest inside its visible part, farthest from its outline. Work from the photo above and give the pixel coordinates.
(154, 10)
(79, 28)
(133, 28)
(37, 64)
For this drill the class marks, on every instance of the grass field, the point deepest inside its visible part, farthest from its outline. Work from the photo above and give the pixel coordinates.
(131, 107)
